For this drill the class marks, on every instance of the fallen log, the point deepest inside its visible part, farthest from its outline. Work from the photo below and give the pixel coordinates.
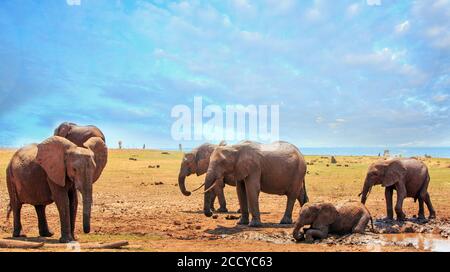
(111, 245)
(7, 243)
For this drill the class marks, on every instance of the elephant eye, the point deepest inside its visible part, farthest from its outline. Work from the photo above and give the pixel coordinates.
(75, 170)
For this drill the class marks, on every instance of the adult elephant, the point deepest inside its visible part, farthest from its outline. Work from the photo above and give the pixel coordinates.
(409, 177)
(78, 134)
(53, 171)
(277, 168)
(197, 162)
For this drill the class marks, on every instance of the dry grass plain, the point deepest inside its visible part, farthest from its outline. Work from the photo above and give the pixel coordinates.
(129, 206)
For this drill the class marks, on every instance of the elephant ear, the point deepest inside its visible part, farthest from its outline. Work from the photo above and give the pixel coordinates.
(326, 215)
(395, 172)
(98, 147)
(51, 157)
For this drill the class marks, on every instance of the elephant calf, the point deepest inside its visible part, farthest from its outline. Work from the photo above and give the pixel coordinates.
(324, 218)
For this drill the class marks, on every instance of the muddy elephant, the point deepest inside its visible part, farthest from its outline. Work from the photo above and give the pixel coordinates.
(324, 218)
(408, 176)
(197, 162)
(78, 134)
(53, 171)
(277, 168)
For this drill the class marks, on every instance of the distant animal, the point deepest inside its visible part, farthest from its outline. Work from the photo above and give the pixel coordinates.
(78, 134)
(197, 162)
(409, 177)
(53, 171)
(277, 168)
(324, 218)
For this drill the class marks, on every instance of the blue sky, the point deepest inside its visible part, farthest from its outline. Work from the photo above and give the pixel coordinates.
(345, 73)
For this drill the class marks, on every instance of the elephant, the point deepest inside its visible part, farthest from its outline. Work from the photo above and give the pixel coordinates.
(324, 218)
(78, 134)
(197, 161)
(276, 168)
(53, 171)
(408, 176)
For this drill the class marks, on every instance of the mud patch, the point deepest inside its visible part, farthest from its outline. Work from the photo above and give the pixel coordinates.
(424, 235)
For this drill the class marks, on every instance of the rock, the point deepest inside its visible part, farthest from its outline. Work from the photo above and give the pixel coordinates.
(158, 183)
(132, 159)
(437, 230)
(198, 227)
(408, 227)
(215, 216)
(177, 223)
(165, 153)
(232, 217)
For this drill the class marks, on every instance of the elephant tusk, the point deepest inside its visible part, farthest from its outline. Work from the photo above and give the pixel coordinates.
(199, 187)
(210, 188)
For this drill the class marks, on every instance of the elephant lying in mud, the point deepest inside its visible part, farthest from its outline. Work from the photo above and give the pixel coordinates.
(197, 161)
(324, 218)
(53, 171)
(277, 168)
(409, 177)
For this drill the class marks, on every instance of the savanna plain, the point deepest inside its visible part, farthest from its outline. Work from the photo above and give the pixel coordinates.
(137, 201)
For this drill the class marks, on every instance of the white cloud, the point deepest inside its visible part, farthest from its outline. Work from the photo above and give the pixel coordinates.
(353, 9)
(440, 98)
(402, 27)
(373, 2)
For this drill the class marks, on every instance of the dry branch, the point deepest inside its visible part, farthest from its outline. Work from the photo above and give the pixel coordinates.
(6, 243)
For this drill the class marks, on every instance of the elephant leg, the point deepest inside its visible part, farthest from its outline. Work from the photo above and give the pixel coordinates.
(311, 234)
(242, 197)
(401, 194)
(42, 221)
(388, 192)
(73, 202)
(360, 227)
(252, 187)
(213, 199)
(17, 232)
(421, 214)
(430, 206)
(222, 201)
(287, 217)
(61, 198)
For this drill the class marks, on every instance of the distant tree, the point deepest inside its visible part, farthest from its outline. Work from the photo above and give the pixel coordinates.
(143, 147)
(120, 144)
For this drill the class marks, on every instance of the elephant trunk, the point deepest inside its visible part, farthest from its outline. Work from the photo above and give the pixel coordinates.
(366, 190)
(87, 206)
(182, 184)
(296, 232)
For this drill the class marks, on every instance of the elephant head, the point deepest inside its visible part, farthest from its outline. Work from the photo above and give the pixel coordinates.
(385, 172)
(317, 215)
(62, 159)
(63, 129)
(222, 162)
(195, 162)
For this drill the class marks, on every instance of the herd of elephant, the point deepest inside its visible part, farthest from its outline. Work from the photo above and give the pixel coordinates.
(73, 159)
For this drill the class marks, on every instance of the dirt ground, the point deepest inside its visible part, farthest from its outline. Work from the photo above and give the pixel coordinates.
(137, 201)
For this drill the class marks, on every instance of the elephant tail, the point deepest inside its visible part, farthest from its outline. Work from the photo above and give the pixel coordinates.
(12, 191)
(425, 182)
(305, 197)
